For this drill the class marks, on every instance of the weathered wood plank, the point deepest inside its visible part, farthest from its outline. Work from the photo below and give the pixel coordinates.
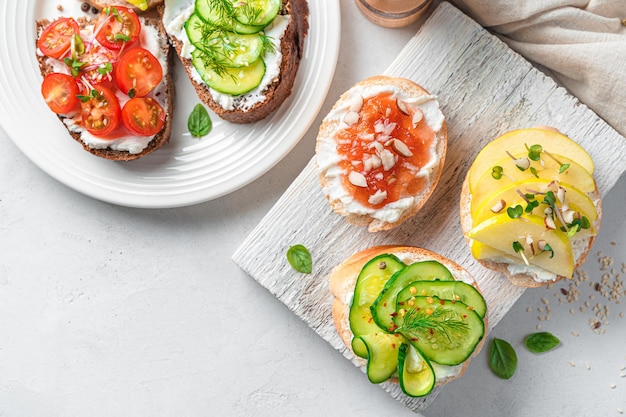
(485, 89)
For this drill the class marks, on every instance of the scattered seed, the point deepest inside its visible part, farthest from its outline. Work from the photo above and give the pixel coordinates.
(544, 300)
(575, 334)
(619, 410)
(612, 386)
(588, 366)
(572, 364)
(538, 327)
(59, 7)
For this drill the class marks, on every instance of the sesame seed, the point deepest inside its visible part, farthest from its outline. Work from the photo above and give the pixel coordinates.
(572, 364)
(612, 386)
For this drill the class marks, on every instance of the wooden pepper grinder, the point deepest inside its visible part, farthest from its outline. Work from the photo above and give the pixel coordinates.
(393, 13)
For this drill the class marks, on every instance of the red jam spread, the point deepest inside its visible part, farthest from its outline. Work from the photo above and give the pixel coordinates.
(380, 122)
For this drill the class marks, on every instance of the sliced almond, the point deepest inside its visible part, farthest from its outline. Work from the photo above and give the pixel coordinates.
(376, 161)
(377, 198)
(418, 115)
(357, 179)
(568, 216)
(560, 194)
(541, 245)
(388, 159)
(351, 118)
(401, 148)
(499, 206)
(356, 104)
(402, 107)
(549, 222)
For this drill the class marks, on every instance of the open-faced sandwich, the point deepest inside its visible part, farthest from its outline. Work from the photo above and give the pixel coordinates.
(530, 207)
(380, 151)
(107, 78)
(241, 57)
(416, 317)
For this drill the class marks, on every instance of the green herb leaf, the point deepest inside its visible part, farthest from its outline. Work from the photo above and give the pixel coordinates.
(517, 247)
(300, 259)
(131, 93)
(533, 171)
(79, 46)
(105, 69)
(563, 168)
(199, 122)
(502, 358)
(541, 342)
(531, 206)
(74, 65)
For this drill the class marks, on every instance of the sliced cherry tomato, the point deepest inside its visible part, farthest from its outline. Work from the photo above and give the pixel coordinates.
(138, 70)
(101, 113)
(55, 40)
(143, 116)
(118, 26)
(60, 91)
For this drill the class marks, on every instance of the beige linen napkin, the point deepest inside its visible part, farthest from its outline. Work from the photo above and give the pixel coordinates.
(580, 43)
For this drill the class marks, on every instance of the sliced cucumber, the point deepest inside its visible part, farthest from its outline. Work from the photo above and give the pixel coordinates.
(229, 48)
(446, 290)
(370, 282)
(384, 307)
(445, 331)
(256, 12)
(211, 12)
(415, 373)
(382, 355)
(233, 81)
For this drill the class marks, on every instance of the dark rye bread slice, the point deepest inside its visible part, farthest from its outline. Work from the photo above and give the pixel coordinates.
(292, 44)
(101, 4)
(160, 138)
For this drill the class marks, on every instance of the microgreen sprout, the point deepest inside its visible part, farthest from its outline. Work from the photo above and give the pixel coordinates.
(496, 172)
(519, 248)
(515, 212)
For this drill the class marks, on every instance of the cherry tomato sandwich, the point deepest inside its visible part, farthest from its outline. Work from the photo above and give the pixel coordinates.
(107, 78)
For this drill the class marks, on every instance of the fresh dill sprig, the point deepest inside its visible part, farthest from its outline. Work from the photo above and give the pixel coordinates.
(268, 45)
(442, 320)
(250, 13)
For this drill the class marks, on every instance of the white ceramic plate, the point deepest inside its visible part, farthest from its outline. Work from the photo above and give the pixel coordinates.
(187, 170)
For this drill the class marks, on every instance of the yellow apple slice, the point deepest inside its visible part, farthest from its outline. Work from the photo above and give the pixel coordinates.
(483, 207)
(501, 232)
(481, 251)
(549, 169)
(515, 142)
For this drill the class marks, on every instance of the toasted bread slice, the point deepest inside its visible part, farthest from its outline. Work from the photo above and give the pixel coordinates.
(528, 279)
(343, 279)
(274, 94)
(411, 198)
(164, 93)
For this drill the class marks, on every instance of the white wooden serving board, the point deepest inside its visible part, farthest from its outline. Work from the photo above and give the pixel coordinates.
(485, 89)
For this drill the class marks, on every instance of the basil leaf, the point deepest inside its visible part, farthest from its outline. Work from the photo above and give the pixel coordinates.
(541, 342)
(300, 259)
(199, 122)
(502, 358)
